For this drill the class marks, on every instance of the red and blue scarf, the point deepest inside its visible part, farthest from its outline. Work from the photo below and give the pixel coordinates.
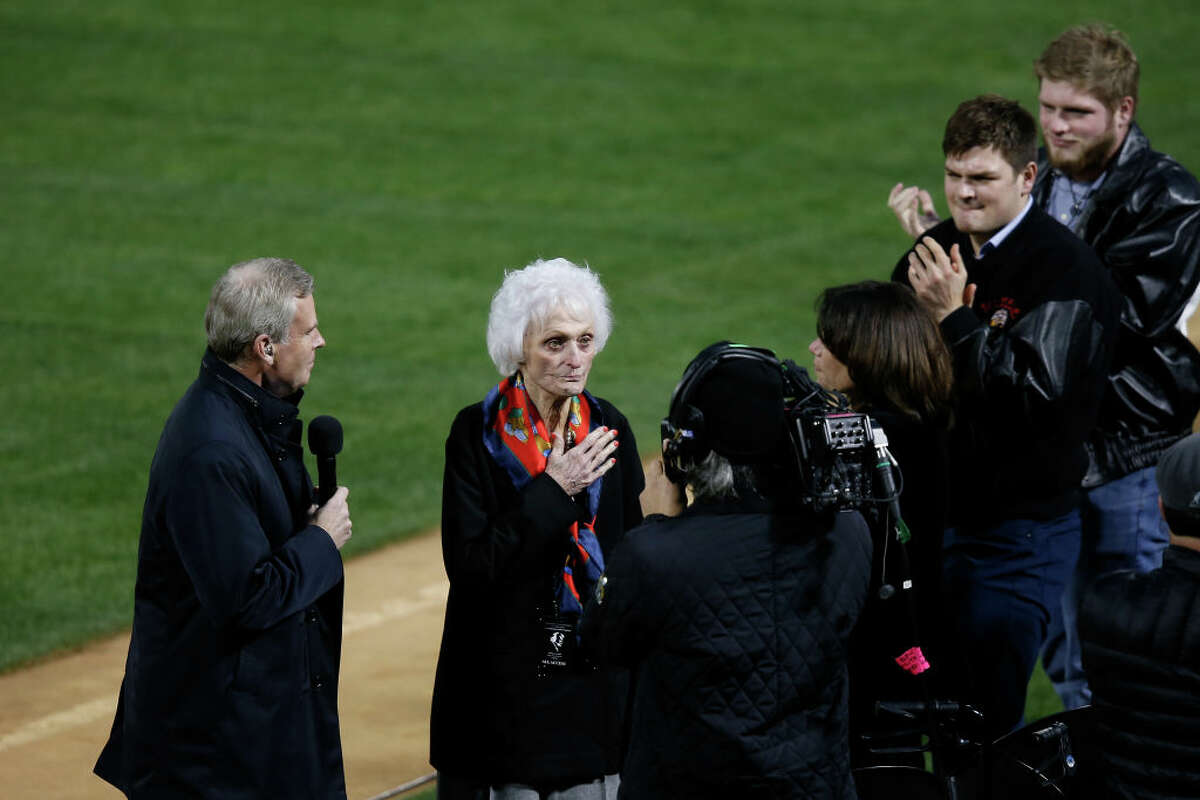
(516, 437)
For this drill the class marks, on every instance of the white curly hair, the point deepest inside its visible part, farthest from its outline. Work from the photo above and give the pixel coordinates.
(528, 297)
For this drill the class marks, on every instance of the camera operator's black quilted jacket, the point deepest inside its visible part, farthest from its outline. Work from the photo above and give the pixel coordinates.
(1144, 223)
(735, 624)
(1141, 652)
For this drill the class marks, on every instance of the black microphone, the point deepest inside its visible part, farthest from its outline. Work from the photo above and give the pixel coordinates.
(325, 442)
(884, 471)
(888, 484)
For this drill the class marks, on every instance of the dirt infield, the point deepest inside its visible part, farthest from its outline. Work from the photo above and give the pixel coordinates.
(55, 717)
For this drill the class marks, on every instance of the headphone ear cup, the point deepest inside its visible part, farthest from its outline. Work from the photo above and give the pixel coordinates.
(686, 445)
(671, 465)
(684, 433)
(670, 452)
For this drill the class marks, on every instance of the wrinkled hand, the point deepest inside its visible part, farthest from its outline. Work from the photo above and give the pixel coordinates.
(578, 468)
(913, 206)
(334, 517)
(660, 495)
(940, 280)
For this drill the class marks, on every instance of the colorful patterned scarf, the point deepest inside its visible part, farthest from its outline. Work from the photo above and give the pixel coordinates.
(516, 437)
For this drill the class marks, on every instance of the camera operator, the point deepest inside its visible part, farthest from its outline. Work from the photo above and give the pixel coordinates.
(735, 614)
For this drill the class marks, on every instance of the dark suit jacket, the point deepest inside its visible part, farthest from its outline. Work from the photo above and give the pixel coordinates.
(230, 686)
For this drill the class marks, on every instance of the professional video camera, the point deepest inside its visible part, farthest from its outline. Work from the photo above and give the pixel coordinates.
(838, 457)
(841, 455)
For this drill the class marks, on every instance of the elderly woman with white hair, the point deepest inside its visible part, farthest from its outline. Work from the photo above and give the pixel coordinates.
(535, 496)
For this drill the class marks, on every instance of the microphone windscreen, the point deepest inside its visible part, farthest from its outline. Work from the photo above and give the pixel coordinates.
(325, 436)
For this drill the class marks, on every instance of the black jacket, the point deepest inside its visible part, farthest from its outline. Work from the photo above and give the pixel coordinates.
(910, 613)
(1030, 360)
(493, 719)
(1141, 653)
(1144, 223)
(230, 687)
(736, 622)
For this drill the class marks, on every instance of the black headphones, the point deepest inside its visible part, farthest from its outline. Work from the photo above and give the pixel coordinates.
(686, 441)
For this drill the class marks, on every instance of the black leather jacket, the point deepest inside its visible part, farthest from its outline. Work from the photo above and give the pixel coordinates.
(1144, 223)
(1031, 357)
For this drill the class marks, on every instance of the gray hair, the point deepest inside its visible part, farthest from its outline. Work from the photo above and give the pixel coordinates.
(715, 478)
(530, 296)
(253, 298)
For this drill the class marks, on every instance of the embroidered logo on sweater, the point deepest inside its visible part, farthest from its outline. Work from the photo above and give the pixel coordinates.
(1002, 311)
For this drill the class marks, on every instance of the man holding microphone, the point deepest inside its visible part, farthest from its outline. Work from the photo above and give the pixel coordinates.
(230, 685)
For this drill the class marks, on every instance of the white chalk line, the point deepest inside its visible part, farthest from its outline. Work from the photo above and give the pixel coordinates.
(53, 724)
(85, 713)
(431, 596)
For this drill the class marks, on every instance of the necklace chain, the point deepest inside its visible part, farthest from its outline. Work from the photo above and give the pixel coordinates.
(1078, 202)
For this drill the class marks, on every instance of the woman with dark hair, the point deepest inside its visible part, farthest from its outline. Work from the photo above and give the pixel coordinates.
(883, 350)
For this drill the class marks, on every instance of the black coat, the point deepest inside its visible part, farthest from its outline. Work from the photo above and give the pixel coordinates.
(1144, 223)
(1141, 653)
(736, 623)
(1031, 361)
(230, 686)
(920, 450)
(892, 622)
(493, 719)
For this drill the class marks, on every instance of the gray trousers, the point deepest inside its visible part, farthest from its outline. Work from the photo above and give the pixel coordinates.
(451, 787)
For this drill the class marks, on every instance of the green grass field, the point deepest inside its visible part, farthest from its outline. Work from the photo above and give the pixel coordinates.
(717, 163)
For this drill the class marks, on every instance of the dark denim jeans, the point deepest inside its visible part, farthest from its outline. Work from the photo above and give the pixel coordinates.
(1122, 529)
(1002, 586)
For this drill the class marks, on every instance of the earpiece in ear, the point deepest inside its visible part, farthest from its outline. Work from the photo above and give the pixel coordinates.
(269, 349)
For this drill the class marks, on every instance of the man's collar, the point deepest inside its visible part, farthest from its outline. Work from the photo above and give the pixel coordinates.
(731, 505)
(1134, 148)
(999, 236)
(247, 393)
(1087, 188)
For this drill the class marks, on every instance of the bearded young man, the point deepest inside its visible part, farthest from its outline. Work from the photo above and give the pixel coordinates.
(1140, 210)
